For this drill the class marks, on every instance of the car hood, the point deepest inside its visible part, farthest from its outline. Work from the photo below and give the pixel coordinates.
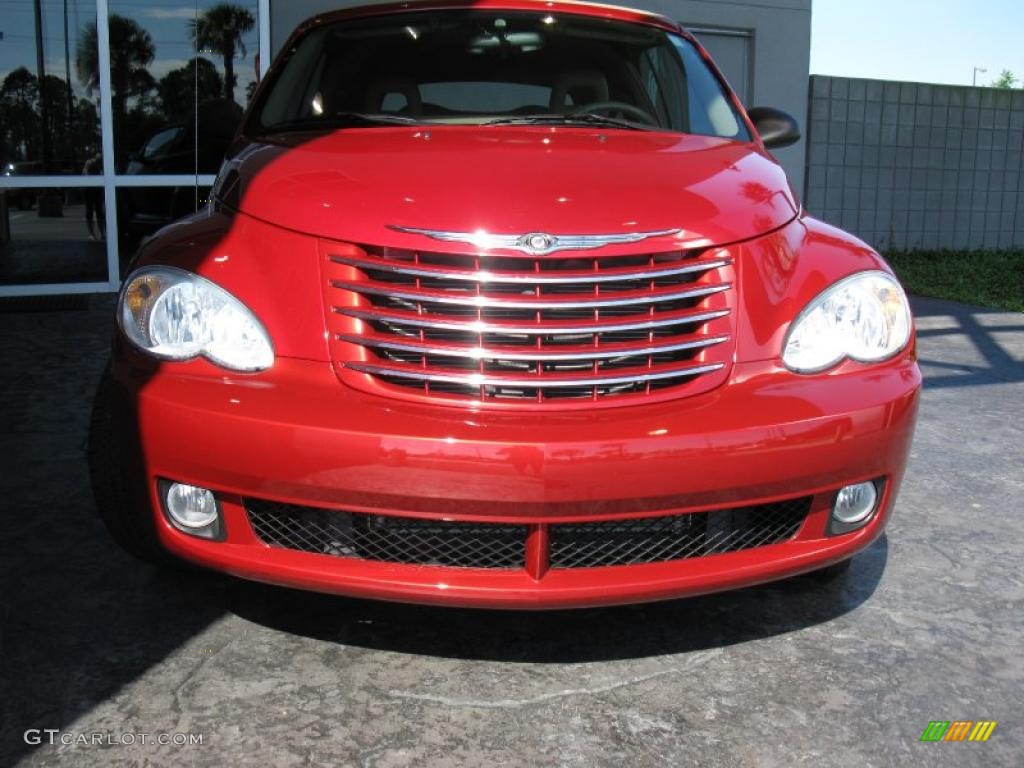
(359, 184)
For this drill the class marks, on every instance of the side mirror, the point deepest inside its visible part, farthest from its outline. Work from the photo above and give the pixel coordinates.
(776, 128)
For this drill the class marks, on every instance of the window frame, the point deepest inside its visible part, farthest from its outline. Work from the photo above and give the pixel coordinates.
(109, 180)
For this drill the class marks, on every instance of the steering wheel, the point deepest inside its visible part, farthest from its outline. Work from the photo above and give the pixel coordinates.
(641, 115)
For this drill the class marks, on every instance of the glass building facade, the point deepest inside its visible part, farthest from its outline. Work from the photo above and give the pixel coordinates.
(114, 117)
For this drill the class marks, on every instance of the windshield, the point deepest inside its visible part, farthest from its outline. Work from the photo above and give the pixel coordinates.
(495, 67)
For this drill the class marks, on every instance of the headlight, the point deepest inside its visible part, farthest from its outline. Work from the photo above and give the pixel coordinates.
(864, 317)
(176, 315)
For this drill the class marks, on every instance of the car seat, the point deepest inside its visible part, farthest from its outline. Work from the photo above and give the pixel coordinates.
(578, 87)
(379, 90)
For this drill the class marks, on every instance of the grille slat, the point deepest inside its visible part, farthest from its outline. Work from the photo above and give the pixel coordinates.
(626, 376)
(541, 330)
(566, 277)
(634, 541)
(543, 354)
(462, 296)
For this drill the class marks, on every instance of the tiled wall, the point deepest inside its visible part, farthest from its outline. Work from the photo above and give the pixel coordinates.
(913, 165)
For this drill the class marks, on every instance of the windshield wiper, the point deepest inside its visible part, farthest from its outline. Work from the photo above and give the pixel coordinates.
(340, 120)
(580, 118)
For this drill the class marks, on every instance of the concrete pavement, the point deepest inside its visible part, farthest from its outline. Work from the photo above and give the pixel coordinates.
(928, 624)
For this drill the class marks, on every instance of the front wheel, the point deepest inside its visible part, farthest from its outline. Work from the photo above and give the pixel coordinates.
(126, 515)
(819, 579)
(830, 573)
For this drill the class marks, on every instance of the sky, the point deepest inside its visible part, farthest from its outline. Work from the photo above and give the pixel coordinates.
(931, 41)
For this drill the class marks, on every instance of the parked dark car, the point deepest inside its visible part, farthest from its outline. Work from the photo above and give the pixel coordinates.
(22, 198)
(194, 147)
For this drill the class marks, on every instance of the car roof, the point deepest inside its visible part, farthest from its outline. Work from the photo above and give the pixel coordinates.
(578, 7)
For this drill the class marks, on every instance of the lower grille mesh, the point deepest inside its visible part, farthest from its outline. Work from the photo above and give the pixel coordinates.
(678, 537)
(487, 545)
(388, 539)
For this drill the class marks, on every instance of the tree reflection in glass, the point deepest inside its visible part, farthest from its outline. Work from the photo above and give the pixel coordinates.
(219, 30)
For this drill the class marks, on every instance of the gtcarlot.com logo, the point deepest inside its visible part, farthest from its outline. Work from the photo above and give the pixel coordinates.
(55, 736)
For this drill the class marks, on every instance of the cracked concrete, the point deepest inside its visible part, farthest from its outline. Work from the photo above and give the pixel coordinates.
(693, 660)
(927, 625)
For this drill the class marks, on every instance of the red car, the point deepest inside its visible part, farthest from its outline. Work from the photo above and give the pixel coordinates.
(504, 303)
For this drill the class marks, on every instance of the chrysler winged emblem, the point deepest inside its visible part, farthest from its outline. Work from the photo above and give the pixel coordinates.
(533, 243)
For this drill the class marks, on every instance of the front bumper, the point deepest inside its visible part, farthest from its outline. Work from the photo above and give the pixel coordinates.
(295, 435)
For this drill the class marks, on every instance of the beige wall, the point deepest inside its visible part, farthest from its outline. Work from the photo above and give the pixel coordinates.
(916, 165)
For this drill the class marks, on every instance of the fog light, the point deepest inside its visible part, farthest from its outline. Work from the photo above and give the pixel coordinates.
(855, 503)
(191, 507)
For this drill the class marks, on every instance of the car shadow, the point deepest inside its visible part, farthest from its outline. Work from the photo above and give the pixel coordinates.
(79, 619)
(960, 346)
(563, 636)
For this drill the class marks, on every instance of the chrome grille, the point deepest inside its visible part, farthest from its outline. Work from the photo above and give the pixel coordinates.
(556, 328)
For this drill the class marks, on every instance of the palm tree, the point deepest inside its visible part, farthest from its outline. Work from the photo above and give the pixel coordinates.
(131, 52)
(19, 120)
(185, 89)
(219, 29)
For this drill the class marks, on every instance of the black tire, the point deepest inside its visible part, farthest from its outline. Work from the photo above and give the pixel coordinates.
(832, 572)
(126, 515)
(815, 580)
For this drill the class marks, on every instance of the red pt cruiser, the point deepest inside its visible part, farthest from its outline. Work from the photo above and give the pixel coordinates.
(504, 304)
